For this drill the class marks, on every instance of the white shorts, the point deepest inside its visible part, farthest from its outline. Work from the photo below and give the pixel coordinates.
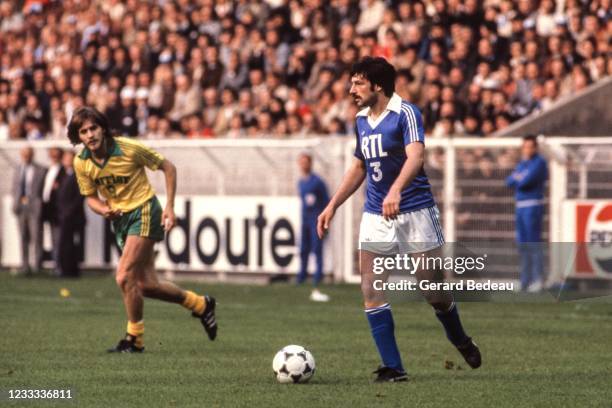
(413, 232)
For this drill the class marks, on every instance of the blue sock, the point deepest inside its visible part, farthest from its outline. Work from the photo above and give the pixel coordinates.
(382, 328)
(452, 325)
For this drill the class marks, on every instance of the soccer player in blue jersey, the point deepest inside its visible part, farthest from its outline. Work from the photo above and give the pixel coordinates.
(529, 181)
(314, 198)
(400, 213)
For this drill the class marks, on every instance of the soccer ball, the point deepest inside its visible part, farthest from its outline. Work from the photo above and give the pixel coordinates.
(293, 364)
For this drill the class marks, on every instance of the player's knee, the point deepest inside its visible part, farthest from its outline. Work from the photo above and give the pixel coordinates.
(126, 283)
(370, 295)
(366, 288)
(121, 279)
(124, 276)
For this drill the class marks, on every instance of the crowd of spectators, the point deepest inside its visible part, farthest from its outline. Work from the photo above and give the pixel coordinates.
(278, 68)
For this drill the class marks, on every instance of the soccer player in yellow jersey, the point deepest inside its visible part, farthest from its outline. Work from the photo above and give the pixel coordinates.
(111, 175)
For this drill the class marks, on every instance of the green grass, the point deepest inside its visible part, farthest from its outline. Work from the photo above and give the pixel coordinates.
(535, 354)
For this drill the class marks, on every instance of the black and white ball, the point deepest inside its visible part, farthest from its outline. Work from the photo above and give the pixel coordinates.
(293, 364)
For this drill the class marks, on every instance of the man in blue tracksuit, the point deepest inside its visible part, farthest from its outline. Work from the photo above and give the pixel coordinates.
(528, 180)
(314, 197)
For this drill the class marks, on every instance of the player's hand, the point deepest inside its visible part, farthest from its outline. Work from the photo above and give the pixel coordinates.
(168, 219)
(324, 220)
(111, 214)
(391, 204)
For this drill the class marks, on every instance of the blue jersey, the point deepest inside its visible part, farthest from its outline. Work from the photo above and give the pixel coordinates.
(313, 194)
(528, 180)
(381, 145)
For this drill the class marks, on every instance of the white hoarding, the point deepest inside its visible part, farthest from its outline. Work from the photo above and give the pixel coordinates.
(229, 234)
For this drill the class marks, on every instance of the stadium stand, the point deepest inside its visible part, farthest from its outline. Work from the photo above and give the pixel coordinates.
(203, 68)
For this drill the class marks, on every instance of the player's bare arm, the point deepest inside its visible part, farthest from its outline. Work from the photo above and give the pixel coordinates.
(100, 207)
(138, 220)
(415, 153)
(350, 183)
(168, 216)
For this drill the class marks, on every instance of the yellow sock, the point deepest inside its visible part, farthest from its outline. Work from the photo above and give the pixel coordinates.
(136, 330)
(194, 302)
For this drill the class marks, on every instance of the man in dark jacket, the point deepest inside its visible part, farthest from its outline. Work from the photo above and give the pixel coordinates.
(70, 217)
(55, 172)
(528, 181)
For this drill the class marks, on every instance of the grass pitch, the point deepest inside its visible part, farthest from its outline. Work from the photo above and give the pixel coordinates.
(535, 354)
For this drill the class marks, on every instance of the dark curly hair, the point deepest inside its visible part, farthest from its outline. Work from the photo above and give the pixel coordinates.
(80, 116)
(378, 71)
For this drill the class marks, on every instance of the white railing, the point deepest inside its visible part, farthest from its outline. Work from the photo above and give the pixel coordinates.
(467, 176)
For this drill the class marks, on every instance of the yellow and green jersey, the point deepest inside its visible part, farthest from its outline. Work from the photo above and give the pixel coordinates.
(121, 179)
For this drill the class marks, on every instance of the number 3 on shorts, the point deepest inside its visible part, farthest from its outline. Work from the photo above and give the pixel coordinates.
(377, 176)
